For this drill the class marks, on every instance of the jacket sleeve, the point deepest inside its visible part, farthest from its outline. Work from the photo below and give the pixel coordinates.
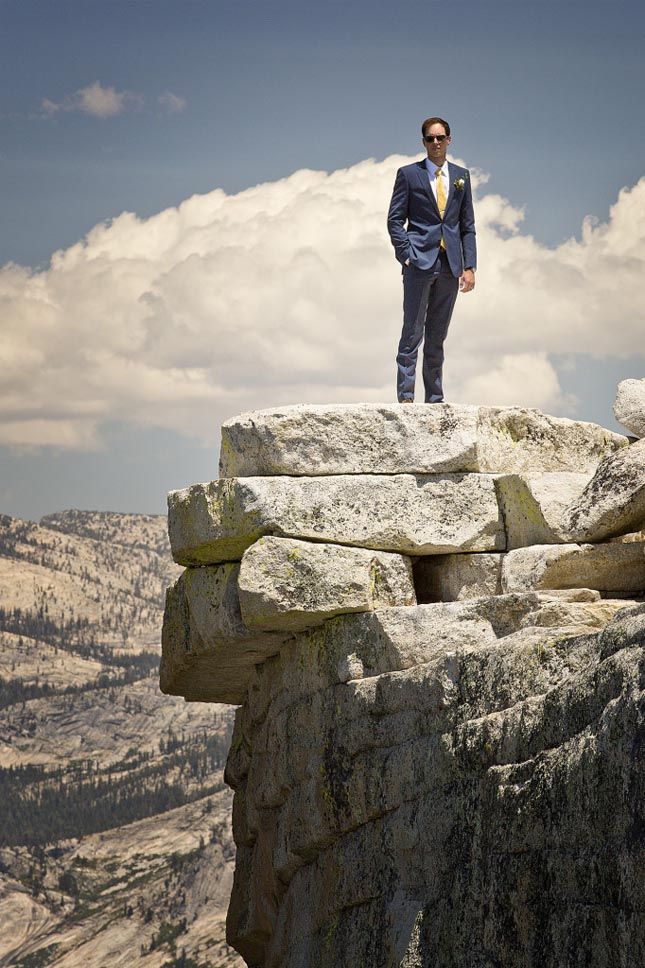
(397, 217)
(467, 227)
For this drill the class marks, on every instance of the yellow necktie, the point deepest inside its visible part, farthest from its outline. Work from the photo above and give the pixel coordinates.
(441, 200)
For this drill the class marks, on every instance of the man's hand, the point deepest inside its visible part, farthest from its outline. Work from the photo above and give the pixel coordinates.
(467, 281)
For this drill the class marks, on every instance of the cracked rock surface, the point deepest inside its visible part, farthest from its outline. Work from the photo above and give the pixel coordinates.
(480, 806)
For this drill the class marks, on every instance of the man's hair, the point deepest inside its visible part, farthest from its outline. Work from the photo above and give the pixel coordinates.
(430, 121)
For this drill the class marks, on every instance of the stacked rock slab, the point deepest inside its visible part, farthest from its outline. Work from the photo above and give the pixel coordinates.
(431, 619)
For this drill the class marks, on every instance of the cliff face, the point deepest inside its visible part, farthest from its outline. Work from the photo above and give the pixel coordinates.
(433, 620)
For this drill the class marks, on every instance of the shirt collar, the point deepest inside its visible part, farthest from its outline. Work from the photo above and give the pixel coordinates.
(430, 165)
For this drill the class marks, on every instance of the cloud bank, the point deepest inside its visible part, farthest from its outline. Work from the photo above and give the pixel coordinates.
(288, 292)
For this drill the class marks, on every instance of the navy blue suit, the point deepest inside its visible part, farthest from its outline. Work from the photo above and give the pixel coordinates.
(431, 279)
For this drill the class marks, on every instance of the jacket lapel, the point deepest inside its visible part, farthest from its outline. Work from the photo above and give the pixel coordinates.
(422, 173)
(451, 183)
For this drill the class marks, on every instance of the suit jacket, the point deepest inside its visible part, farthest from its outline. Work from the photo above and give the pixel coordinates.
(415, 225)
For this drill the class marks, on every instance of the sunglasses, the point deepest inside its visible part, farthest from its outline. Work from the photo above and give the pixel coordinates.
(435, 137)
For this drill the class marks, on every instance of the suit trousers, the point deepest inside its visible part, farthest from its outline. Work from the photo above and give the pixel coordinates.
(429, 297)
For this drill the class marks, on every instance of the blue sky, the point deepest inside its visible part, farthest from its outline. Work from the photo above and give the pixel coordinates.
(184, 98)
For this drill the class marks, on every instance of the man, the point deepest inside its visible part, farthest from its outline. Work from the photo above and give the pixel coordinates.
(432, 227)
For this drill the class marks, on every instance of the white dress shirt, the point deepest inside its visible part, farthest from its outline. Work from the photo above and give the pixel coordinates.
(432, 168)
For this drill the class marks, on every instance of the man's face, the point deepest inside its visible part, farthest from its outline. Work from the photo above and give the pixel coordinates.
(436, 149)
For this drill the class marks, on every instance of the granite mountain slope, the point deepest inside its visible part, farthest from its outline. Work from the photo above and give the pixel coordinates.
(114, 842)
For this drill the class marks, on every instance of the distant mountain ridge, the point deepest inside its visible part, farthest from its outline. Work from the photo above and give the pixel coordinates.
(146, 531)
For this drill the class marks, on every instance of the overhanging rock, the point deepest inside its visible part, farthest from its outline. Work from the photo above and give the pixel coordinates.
(208, 654)
(404, 513)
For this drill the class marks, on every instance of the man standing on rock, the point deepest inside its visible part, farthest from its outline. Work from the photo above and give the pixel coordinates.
(432, 227)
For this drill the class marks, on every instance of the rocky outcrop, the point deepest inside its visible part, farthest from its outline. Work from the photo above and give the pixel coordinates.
(433, 620)
(613, 502)
(629, 408)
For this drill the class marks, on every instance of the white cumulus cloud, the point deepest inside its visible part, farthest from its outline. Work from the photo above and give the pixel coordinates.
(289, 292)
